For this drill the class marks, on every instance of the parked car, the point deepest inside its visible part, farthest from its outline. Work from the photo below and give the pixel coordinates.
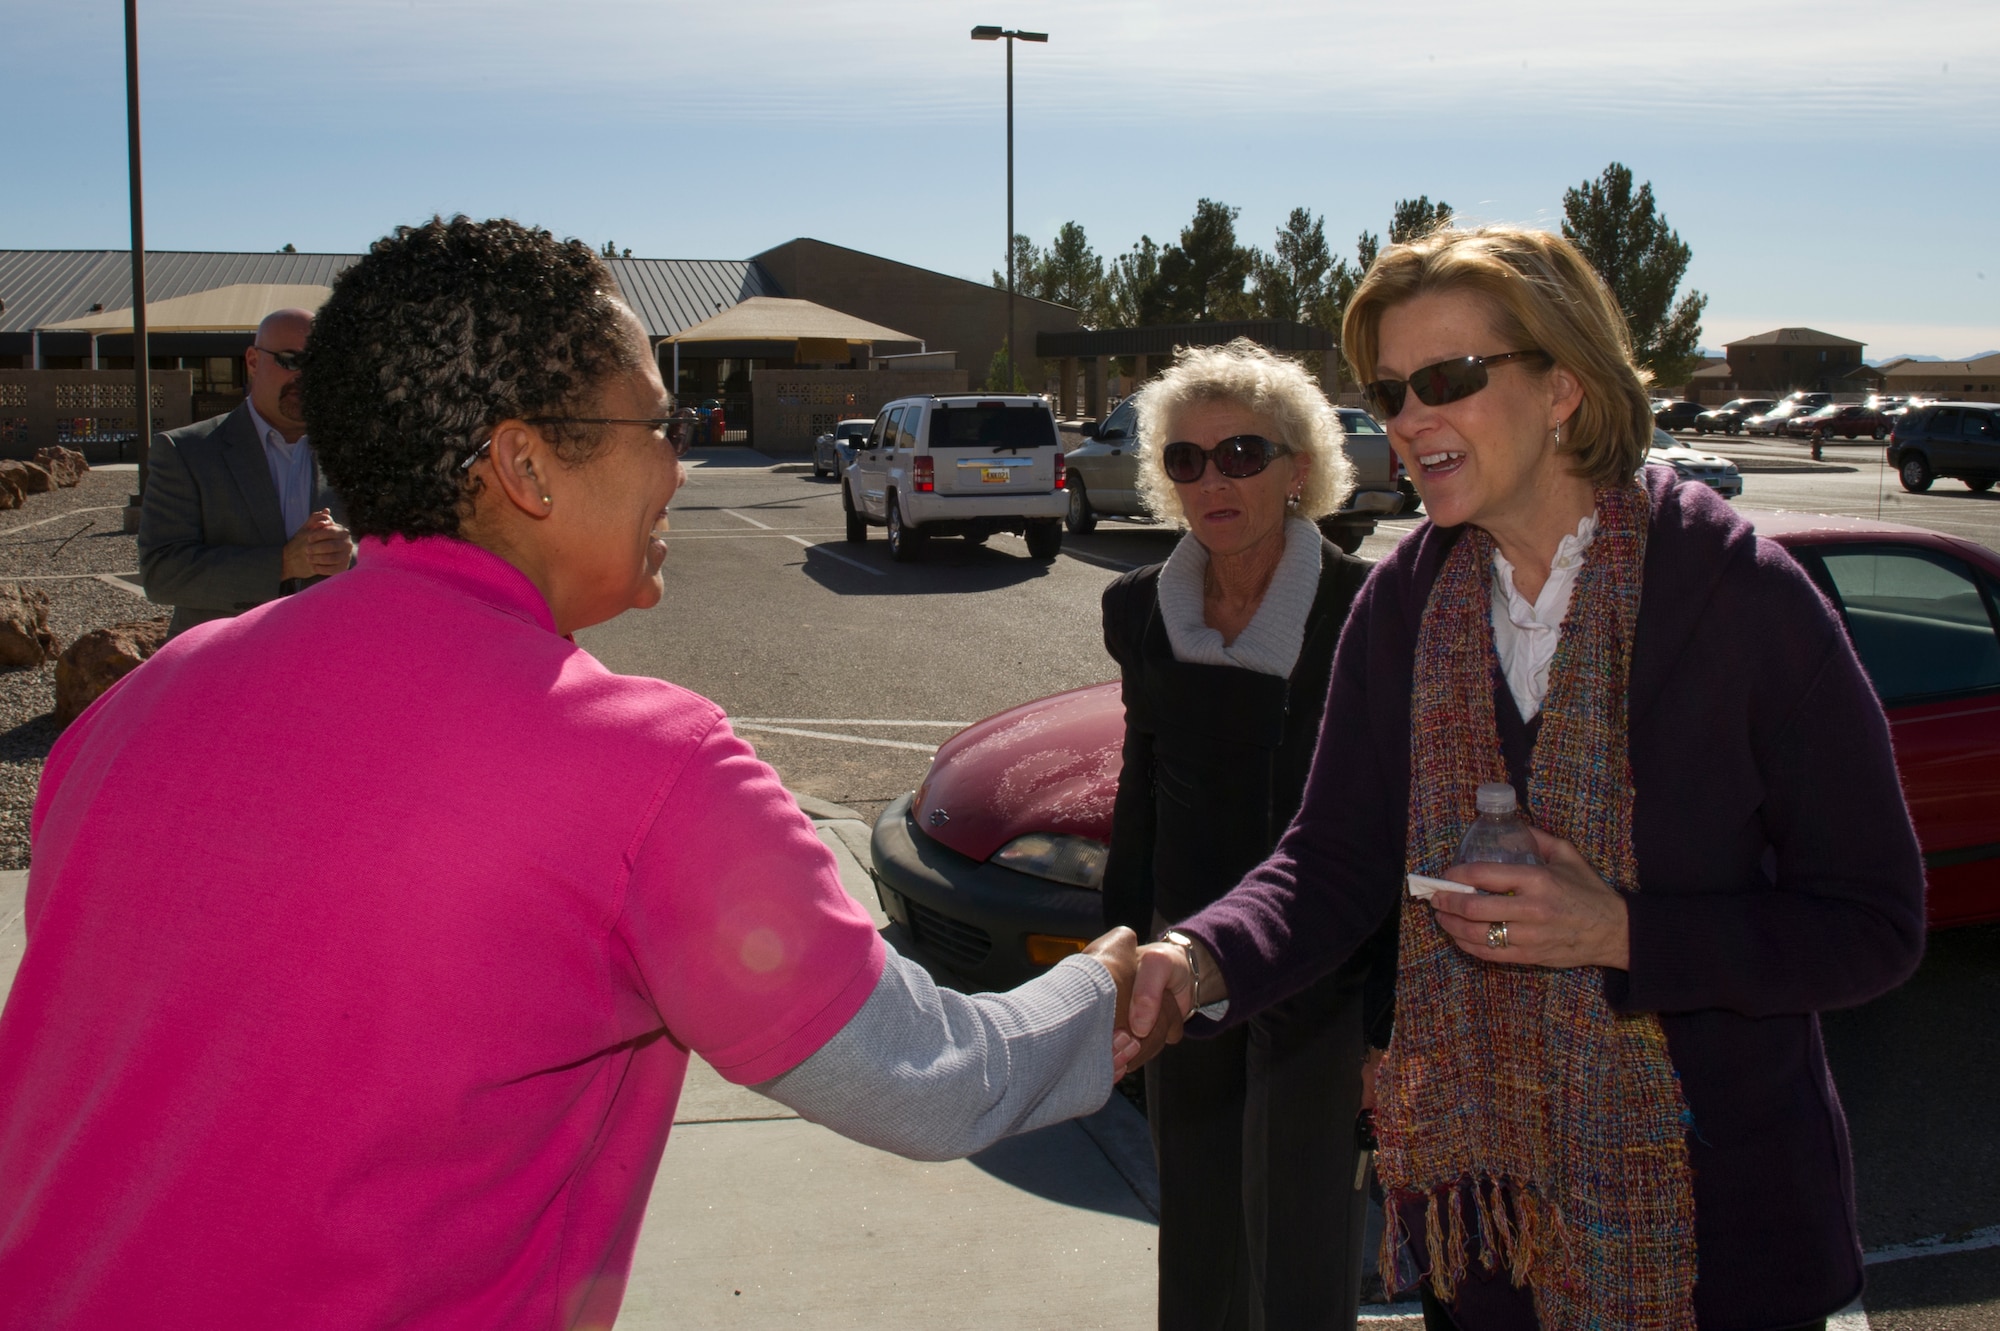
(1718, 473)
(959, 465)
(833, 451)
(1728, 418)
(1677, 415)
(1772, 422)
(1103, 476)
(1956, 439)
(995, 863)
(1847, 420)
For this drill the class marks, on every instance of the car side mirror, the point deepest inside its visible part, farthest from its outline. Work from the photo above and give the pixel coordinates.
(1090, 429)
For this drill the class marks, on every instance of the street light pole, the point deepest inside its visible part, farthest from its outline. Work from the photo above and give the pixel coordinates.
(987, 33)
(142, 384)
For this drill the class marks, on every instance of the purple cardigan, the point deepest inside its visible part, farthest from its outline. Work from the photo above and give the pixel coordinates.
(1779, 874)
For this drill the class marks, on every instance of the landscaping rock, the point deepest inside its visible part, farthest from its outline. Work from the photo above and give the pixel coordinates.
(32, 477)
(11, 495)
(99, 659)
(25, 639)
(65, 466)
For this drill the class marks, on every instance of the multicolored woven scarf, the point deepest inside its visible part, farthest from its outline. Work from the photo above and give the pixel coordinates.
(1514, 1099)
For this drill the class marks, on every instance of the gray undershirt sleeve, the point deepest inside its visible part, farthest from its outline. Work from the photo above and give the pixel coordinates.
(933, 1074)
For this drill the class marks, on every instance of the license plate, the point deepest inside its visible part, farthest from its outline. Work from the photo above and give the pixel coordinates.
(990, 475)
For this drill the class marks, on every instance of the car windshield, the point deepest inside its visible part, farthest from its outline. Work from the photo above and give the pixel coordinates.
(992, 425)
(1360, 422)
(852, 429)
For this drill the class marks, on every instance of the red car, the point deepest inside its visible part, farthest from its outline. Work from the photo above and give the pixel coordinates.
(993, 863)
(1848, 420)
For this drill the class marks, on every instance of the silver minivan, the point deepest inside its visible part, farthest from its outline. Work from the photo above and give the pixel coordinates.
(963, 465)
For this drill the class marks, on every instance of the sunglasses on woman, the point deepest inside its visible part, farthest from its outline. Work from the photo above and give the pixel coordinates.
(1435, 385)
(1238, 457)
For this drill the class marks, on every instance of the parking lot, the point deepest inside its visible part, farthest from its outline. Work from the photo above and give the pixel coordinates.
(846, 669)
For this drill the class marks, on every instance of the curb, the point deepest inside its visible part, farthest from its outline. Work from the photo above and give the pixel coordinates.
(825, 811)
(1121, 1133)
(1774, 466)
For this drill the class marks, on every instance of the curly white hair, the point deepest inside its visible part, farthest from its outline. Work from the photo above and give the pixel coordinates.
(1267, 385)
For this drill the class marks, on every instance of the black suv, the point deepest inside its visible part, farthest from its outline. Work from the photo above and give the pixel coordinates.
(1956, 439)
(1729, 417)
(1677, 416)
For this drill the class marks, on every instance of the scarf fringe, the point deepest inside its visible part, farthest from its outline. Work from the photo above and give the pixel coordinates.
(1518, 1232)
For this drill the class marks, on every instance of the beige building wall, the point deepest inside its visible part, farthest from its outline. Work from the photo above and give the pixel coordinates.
(791, 408)
(86, 410)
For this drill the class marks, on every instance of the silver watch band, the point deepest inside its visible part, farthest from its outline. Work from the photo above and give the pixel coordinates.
(1186, 945)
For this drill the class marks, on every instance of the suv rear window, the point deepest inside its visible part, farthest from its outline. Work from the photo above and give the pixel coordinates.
(992, 426)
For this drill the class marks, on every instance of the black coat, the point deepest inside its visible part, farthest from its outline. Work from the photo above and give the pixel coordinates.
(1216, 757)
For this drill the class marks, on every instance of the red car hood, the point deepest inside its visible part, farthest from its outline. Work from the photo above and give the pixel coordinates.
(1046, 766)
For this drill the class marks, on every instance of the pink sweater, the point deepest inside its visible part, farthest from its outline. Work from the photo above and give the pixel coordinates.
(368, 936)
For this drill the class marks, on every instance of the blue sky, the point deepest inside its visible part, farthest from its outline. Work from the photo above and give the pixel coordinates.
(1832, 163)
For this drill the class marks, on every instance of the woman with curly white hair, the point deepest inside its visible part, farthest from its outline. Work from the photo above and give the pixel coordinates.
(1226, 650)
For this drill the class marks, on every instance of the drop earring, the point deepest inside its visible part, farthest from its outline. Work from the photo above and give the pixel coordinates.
(1559, 434)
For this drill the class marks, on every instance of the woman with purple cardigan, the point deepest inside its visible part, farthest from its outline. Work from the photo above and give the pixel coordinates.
(1606, 1104)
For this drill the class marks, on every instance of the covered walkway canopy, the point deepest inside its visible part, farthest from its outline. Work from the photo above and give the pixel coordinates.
(778, 328)
(1153, 342)
(238, 308)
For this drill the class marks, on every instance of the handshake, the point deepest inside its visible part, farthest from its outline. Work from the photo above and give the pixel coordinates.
(1156, 993)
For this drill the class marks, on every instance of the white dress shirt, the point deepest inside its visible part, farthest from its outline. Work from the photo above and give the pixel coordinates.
(292, 471)
(1524, 635)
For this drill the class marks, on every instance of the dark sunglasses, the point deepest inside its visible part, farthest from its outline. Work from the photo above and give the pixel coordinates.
(1435, 385)
(288, 361)
(1238, 457)
(675, 428)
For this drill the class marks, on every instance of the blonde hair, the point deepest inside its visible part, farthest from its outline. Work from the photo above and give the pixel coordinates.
(1273, 387)
(1544, 295)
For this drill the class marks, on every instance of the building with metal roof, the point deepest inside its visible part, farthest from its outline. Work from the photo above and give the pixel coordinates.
(42, 289)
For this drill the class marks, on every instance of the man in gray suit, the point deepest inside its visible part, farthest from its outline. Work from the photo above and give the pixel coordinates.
(236, 512)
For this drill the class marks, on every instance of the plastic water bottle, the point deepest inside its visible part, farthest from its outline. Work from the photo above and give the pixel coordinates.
(1499, 835)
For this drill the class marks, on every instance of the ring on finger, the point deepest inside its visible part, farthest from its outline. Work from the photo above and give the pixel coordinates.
(1496, 934)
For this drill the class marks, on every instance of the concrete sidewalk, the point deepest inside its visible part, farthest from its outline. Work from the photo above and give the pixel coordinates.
(759, 1219)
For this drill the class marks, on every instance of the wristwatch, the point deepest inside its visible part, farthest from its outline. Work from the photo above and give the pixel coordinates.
(1186, 945)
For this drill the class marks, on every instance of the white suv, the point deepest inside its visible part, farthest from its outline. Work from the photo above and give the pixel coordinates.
(964, 465)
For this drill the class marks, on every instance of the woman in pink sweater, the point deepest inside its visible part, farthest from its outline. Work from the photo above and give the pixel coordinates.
(369, 932)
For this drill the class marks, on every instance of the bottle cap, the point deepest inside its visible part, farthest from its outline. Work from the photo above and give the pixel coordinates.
(1495, 797)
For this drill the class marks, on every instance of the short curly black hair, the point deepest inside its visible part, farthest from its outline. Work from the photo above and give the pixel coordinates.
(439, 333)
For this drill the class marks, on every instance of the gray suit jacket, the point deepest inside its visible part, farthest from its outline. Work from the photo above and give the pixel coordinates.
(211, 532)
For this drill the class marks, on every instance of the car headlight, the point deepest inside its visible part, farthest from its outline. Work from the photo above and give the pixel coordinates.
(1075, 860)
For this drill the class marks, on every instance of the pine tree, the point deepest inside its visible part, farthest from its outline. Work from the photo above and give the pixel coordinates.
(1642, 261)
(1202, 277)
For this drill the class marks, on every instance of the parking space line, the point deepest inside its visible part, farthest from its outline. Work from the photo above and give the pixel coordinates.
(832, 721)
(822, 550)
(828, 734)
(683, 534)
(1935, 1246)
(747, 518)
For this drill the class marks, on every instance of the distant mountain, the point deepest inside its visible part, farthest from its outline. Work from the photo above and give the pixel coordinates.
(1976, 355)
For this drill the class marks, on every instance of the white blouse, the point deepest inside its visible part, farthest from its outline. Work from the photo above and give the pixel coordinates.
(1525, 635)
